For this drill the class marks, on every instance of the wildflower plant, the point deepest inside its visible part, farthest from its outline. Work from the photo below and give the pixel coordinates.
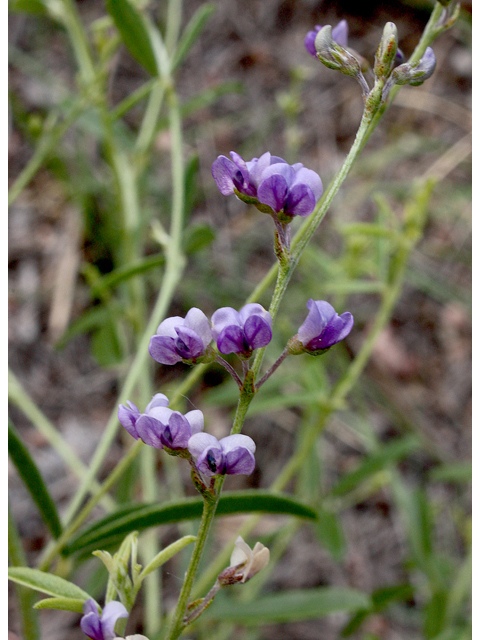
(288, 193)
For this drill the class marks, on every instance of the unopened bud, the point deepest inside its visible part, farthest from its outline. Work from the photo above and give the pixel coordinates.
(386, 52)
(244, 562)
(415, 74)
(335, 56)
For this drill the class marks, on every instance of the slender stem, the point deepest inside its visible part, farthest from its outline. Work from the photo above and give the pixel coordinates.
(53, 550)
(177, 623)
(230, 369)
(175, 263)
(273, 368)
(19, 397)
(50, 139)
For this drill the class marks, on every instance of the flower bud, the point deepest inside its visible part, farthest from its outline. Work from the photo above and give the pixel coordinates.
(335, 56)
(244, 562)
(386, 52)
(415, 74)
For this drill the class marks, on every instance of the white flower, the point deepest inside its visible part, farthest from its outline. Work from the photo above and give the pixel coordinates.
(137, 636)
(248, 562)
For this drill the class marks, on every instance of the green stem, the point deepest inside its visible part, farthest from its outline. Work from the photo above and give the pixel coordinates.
(177, 623)
(19, 397)
(26, 597)
(49, 140)
(54, 549)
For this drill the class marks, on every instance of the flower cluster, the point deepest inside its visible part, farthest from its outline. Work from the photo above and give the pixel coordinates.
(188, 339)
(330, 46)
(161, 427)
(270, 183)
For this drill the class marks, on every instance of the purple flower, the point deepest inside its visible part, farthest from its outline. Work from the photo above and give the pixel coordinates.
(290, 190)
(183, 339)
(238, 175)
(323, 327)
(231, 455)
(339, 34)
(101, 627)
(270, 181)
(242, 331)
(163, 427)
(128, 415)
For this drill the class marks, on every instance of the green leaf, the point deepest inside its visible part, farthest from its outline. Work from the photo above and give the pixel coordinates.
(106, 346)
(46, 583)
(376, 462)
(131, 25)
(198, 237)
(454, 472)
(192, 31)
(166, 554)
(435, 614)
(330, 532)
(288, 606)
(141, 517)
(33, 480)
(90, 319)
(35, 7)
(136, 268)
(63, 604)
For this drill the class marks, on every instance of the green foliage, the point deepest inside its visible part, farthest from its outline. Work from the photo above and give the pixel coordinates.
(135, 34)
(46, 583)
(289, 606)
(33, 480)
(140, 517)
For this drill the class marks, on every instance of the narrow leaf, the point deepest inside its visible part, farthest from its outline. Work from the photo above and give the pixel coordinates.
(141, 517)
(46, 583)
(376, 462)
(33, 480)
(166, 554)
(130, 23)
(63, 604)
(192, 31)
(35, 7)
(454, 472)
(329, 531)
(288, 606)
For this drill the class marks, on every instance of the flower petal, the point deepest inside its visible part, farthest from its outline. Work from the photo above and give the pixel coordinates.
(198, 321)
(128, 417)
(300, 201)
(310, 41)
(223, 171)
(237, 440)
(239, 461)
(91, 626)
(340, 33)
(188, 344)
(337, 329)
(257, 332)
(201, 441)
(310, 179)
(162, 349)
(177, 433)
(149, 430)
(211, 462)
(223, 318)
(195, 419)
(169, 325)
(320, 313)
(254, 309)
(110, 614)
(158, 400)
(232, 340)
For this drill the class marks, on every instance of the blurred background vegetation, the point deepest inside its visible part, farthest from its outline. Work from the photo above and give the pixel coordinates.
(391, 471)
